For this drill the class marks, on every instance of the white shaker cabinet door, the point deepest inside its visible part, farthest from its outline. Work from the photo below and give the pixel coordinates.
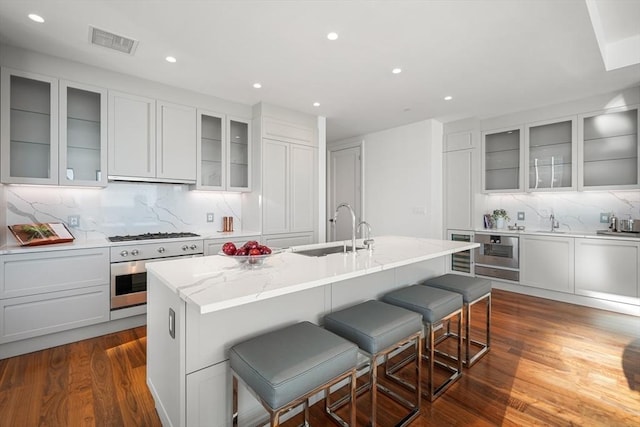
(302, 184)
(460, 169)
(608, 269)
(547, 262)
(275, 187)
(176, 142)
(132, 136)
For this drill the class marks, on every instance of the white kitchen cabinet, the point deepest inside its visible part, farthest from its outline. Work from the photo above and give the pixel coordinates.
(213, 246)
(502, 160)
(460, 170)
(239, 155)
(550, 155)
(132, 136)
(46, 292)
(149, 142)
(288, 183)
(175, 142)
(83, 135)
(211, 151)
(547, 262)
(608, 149)
(29, 133)
(459, 141)
(608, 269)
(287, 240)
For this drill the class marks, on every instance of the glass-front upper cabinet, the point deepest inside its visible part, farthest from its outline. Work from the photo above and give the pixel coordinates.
(83, 135)
(239, 172)
(502, 156)
(608, 154)
(29, 139)
(212, 151)
(550, 155)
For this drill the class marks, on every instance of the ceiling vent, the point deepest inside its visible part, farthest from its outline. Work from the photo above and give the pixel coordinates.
(112, 41)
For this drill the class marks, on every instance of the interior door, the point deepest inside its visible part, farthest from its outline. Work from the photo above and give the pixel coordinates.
(344, 187)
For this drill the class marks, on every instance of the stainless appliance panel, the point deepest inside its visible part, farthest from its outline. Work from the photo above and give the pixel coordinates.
(498, 273)
(497, 250)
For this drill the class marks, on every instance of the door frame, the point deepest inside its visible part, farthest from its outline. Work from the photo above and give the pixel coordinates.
(357, 142)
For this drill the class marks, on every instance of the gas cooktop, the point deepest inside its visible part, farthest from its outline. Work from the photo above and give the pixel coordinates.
(151, 236)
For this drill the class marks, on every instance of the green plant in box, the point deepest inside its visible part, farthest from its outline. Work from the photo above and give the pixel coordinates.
(500, 213)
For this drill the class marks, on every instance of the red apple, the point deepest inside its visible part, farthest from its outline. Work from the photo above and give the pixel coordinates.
(252, 244)
(254, 252)
(229, 248)
(241, 252)
(265, 250)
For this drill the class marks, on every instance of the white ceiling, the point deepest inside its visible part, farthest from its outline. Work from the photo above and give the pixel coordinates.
(492, 56)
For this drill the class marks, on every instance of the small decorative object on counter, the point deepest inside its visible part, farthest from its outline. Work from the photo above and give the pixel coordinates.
(613, 226)
(227, 223)
(500, 217)
(488, 221)
(41, 234)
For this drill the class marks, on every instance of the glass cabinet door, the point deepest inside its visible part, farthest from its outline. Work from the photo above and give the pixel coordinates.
(501, 155)
(239, 155)
(30, 140)
(211, 152)
(550, 155)
(609, 150)
(83, 135)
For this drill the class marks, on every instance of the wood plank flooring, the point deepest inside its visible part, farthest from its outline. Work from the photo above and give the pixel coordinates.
(550, 364)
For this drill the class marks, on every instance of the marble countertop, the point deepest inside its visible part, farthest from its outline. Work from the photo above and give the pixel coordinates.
(12, 247)
(217, 282)
(568, 233)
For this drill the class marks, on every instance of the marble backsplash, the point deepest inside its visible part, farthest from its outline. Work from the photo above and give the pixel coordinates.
(123, 208)
(576, 211)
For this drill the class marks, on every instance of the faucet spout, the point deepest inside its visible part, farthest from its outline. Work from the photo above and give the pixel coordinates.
(368, 241)
(353, 223)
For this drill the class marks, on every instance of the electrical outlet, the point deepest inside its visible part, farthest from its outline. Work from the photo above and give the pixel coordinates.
(520, 216)
(604, 218)
(210, 217)
(73, 221)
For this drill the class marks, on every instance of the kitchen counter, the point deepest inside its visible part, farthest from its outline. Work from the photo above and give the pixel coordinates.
(216, 283)
(198, 308)
(12, 247)
(579, 234)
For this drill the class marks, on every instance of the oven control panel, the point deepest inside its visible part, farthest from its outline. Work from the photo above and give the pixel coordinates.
(166, 249)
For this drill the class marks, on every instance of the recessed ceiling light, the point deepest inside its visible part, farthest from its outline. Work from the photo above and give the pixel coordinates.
(316, 104)
(170, 59)
(332, 36)
(448, 98)
(396, 70)
(36, 18)
(257, 85)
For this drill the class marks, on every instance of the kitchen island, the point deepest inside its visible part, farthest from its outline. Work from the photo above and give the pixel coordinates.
(199, 307)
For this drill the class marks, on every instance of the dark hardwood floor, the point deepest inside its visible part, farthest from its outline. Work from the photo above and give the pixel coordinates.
(550, 364)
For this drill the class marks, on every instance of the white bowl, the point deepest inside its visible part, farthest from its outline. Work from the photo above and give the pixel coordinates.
(251, 260)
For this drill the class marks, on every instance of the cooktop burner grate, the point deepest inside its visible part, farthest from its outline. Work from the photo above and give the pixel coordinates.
(151, 236)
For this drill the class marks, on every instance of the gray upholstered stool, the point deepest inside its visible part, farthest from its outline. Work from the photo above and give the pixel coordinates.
(285, 367)
(473, 290)
(379, 329)
(437, 307)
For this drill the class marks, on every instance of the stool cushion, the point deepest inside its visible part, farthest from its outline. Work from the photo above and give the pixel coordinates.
(434, 304)
(285, 364)
(471, 288)
(374, 325)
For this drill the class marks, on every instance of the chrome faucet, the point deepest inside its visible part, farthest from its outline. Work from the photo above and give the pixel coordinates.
(554, 223)
(368, 241)
(353, 223)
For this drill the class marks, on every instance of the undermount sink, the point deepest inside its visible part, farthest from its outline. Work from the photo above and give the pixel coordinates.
(550, 232)
(326, 251)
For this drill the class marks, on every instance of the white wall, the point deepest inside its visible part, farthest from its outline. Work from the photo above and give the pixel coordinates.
(403, 180)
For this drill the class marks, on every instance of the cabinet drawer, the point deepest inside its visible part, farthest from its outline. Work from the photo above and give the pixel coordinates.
(42, 272)
(287, 240)
(35, 315)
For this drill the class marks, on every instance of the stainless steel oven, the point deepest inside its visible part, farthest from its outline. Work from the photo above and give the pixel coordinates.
(497, 256)
(129, 272)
